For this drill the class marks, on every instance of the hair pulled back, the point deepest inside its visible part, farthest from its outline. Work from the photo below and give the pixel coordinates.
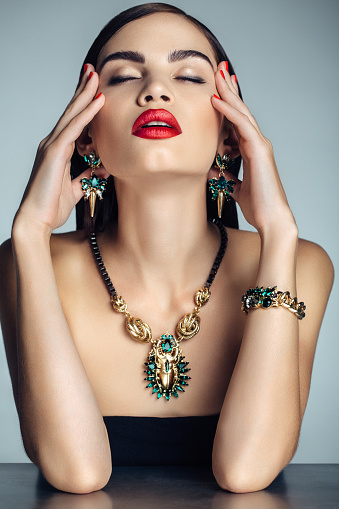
(107, 209)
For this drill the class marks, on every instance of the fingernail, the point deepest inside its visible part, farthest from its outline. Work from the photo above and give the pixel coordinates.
(85, 68)
(235, 78)
(216, 97)
(226, 65)
(222, 73)
(98, 95)
(90, 75)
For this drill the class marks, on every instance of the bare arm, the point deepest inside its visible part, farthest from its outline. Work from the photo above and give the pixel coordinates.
(62, 428)
(259, 425)
(260, 421)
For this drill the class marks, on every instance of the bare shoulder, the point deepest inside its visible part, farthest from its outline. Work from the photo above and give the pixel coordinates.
(243, 255)
(70, 257)
(315, 276)
(315, 263)
(314, 266)
(65, 245)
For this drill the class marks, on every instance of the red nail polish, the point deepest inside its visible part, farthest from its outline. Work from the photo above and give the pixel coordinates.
(90, 75)
(98, 95)
(216, 97)
(222, 73)
(85, 68)
(226, 65)
(235, 78)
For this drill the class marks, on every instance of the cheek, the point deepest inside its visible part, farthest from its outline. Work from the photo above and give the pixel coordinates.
(205, 135)
(109, 135)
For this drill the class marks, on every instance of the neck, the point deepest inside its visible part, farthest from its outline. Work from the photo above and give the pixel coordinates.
(163, 234)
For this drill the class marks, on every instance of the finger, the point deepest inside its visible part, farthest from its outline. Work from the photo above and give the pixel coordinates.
(229, 93)
(223, 66)
(63, 146)
(242, 124)
(88, 69)
(83, 96)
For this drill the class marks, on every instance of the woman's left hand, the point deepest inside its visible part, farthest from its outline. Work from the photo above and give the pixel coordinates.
(260, 194)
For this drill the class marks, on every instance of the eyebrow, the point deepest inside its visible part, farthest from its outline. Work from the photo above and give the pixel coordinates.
(135, 56)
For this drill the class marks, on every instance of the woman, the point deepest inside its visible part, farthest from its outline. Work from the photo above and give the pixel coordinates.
(71, 359)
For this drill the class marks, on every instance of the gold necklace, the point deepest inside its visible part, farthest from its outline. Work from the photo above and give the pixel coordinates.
(165, 367)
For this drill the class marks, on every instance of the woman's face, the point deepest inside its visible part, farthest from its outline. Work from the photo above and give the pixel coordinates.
(161, 79)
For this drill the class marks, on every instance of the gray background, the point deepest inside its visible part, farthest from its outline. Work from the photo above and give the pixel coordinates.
(285, 56)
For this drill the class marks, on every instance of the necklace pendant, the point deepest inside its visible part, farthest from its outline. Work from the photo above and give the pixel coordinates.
(166, 368)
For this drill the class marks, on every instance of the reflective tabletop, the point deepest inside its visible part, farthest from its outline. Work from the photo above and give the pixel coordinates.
(298, 486)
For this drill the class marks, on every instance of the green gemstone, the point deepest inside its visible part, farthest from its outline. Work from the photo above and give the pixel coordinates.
(159, 394)
(94, 181)
(267, 303)
(167, 347)
(155, 390)
(151, 365)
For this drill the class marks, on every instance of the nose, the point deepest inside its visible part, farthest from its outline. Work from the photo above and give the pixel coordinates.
(155, 91)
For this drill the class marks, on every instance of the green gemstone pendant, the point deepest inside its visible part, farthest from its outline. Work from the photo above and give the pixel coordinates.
(93, 188)
(166, 368)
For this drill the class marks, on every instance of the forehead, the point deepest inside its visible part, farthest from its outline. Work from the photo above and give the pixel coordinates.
(156, 35)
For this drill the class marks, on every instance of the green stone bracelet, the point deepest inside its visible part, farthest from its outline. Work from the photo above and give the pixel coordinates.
(269, 297)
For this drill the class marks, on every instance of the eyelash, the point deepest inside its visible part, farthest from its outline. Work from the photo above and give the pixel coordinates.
(117, 80)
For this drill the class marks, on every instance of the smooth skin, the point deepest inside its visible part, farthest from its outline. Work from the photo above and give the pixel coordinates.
(67, 349)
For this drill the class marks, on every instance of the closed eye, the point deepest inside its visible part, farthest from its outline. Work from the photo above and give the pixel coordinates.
(121, 79)
(194, 79)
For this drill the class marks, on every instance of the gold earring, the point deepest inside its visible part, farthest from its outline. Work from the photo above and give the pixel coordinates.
(220, 187)
(94, 186)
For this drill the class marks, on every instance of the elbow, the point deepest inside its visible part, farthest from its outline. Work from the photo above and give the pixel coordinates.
(85, 475)
(79, 483)
(245, 479)
(241, 481)
(250, 472)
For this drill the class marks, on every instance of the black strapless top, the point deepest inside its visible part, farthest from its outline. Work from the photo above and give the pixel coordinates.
(161, 440)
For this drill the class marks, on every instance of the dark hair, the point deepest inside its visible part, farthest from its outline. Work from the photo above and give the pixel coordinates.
(107, 209)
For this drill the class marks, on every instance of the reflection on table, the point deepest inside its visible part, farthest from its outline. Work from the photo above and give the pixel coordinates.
(297, 486)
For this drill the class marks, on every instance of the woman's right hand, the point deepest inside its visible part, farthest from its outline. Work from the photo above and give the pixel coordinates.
(50, 194)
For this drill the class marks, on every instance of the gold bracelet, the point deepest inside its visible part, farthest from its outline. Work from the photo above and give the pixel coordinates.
(268, 297)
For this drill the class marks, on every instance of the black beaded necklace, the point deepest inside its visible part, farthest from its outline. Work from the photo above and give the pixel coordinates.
(165, 368)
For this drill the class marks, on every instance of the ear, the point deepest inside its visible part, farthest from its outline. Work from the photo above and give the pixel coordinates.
(228, 140)
(84, 143)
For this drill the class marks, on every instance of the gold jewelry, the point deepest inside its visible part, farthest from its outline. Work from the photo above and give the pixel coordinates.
(221, 188)
(165, 368)
(268, 297)
(94, 186)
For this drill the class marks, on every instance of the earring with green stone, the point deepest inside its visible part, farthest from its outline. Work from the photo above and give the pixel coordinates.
(94, 186)
(220, 187)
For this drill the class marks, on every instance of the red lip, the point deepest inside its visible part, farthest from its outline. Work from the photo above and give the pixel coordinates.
(156, 132)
